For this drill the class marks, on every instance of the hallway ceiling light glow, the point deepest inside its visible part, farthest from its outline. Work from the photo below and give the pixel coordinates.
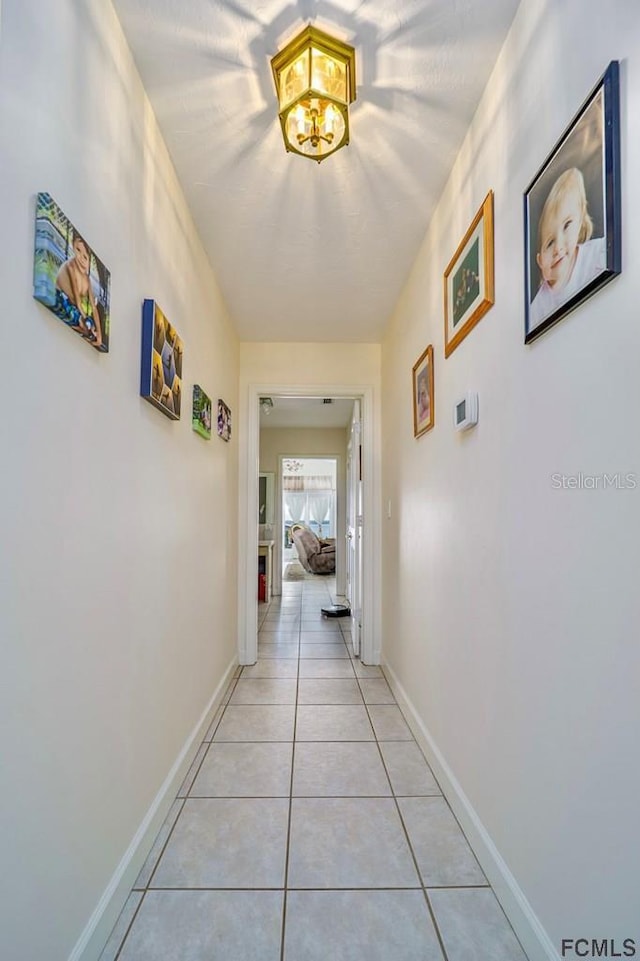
(315, 78)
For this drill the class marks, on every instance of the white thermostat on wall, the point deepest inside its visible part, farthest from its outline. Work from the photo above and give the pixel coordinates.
(465, 411)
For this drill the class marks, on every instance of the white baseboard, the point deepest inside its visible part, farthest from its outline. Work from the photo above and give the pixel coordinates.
(533, 937)
(99, 926)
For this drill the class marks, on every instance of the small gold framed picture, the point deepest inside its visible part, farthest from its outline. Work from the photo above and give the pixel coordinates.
(468, 280)
(423, 406)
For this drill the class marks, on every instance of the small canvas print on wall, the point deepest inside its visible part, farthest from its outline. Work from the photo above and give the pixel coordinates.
(68, 278)
(161, 369)
(224, 420)
(201, 420)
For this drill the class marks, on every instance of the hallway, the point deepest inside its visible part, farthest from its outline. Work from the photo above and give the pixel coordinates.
(310, 826)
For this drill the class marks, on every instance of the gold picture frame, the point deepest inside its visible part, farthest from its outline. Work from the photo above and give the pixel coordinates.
(468, 279)
(423, 393)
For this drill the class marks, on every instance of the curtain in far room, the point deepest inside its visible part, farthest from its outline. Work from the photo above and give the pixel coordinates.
(295, 503)
(319, 505)
(311, 500)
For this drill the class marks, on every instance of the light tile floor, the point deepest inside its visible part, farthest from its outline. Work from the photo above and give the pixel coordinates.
(310, 827)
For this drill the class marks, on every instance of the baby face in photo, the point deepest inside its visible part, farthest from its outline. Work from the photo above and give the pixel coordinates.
(564, 224)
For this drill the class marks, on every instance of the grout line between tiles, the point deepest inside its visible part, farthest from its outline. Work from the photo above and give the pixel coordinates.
(287, 848)
(129, 926)
(411, 851)
(164, 846)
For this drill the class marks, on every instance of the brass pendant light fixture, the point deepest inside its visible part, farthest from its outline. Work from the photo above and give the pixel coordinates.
(315, 77)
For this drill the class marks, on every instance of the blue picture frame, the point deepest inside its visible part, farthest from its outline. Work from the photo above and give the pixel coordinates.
(572, 212)
(161, 362)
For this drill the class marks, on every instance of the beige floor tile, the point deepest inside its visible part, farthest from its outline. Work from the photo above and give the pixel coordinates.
(328, 691)
(335, 722)
(226, 843)
(441, 849)
(199, 925)
(331, 844)
(388, 723)
(245, 770)
(349, 769)
(265, 690)
(473, 926)
(409, 772)
(256, 722)
(359, 926)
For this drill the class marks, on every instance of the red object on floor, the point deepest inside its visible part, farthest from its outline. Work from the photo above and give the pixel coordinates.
(262, 587)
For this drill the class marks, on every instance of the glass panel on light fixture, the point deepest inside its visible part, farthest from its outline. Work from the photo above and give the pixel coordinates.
(298, 124)
(328, 76)
(333, 123)
(294, 79)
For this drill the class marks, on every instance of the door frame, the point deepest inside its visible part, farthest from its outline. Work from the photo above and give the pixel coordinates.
(249, 468)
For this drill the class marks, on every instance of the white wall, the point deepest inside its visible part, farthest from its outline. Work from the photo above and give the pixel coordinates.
(323, 365)
(301, 441)
(119, 527)
(511, 609)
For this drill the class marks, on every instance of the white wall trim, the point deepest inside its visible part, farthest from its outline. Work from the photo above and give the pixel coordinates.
(249, 467)
(99, 926)
(526, 924)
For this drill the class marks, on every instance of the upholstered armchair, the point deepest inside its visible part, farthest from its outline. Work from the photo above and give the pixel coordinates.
(317, 555)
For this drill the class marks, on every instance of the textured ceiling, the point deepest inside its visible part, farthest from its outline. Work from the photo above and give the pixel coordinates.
(305, 251)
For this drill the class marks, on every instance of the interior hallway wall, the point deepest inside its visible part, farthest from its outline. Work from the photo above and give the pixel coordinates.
(119, 526)
(511, 608)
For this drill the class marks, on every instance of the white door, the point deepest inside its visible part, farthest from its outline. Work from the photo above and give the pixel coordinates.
(354, 527)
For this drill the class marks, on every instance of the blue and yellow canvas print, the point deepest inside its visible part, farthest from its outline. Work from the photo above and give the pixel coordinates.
(68, 277)
(161, 368)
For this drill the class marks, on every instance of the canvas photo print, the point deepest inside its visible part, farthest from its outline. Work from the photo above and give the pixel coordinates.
(201, 417)
(68, 277)
(161, 368)
(224, 420)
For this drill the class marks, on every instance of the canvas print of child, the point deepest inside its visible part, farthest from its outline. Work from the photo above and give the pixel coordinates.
(68, 277)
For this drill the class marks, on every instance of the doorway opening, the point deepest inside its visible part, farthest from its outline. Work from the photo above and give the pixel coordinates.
(309, 498)
(260, 470)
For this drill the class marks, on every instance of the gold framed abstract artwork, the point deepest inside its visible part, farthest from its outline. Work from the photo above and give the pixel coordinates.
(468, 280)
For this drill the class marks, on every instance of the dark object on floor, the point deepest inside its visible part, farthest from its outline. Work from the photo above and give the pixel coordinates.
(336, 610)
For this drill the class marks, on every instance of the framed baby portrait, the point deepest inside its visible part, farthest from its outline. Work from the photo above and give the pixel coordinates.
(161, 368)
(572, 212)
(423, 408)
(68, 278)
(468, 280)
